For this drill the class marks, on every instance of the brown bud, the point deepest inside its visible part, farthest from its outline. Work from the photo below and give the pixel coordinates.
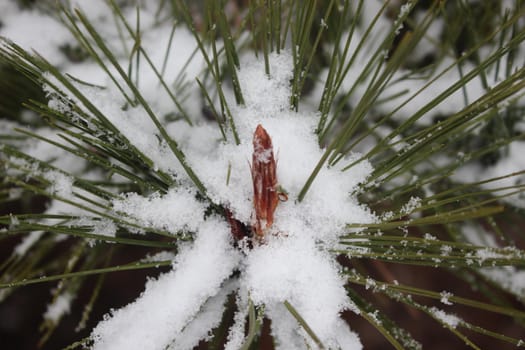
(264, 176)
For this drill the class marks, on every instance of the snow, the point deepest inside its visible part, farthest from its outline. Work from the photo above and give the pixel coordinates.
(99, 226)
(286, 330)
(59, 307)
(46, 152)
(448, 319)
(168, 304)
(236, 332)
(209, 317)
(509, 278)
(105, 227)
(412, 204)
(135, 125)
(27, 242)
(160, 256)
(61, 184)
(292, 269)
(177, 210)
(445, 297)
(32, 31)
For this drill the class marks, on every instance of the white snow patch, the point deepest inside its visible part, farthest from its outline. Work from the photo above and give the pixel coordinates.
(61, 184)
(413, 204)
(445, 297)
(160, 256)
(27, 242)
(293, 269)
(285, 329)
(102, 227)
(59, 307)
(175, 211)
(236, 332)
(34, 31)
(200, 327)
(510, 278)
(58, 157)
(449, 319)
(168, 304)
